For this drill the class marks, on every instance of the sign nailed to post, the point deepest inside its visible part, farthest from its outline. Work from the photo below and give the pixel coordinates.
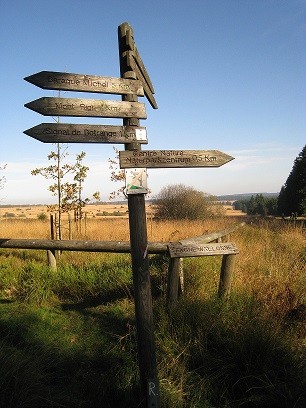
(85, 83)
(173, 158)
(136, 181)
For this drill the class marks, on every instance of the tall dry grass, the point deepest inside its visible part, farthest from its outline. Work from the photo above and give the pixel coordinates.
(113, 228)
(270, 265)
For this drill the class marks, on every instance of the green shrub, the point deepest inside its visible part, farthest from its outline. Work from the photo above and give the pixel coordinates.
(42, 216)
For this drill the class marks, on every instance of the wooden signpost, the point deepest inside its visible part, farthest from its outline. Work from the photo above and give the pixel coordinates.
(79, 133)
(139, 254)
(134, 82)
(85, 83)
(87, 108)
(173, 158)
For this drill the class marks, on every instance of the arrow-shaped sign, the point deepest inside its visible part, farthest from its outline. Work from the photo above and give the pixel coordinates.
(79, 133)
(131, 64)
(88, 108)
(172, 158)
(85, 83)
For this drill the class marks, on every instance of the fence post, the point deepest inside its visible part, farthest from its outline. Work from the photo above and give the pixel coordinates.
(227, 270)
(175, 283)
(51, 254)
(51, 260)
(69, 226)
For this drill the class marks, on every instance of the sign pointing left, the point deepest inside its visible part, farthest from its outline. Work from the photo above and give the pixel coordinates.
(87, 107)
(85, 83)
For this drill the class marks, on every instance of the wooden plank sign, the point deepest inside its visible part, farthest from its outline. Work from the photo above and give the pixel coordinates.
(131, 64)
(87, 107)
(172, 158)
(79, 133)
(132, 46)
(181, 251)
(85, 83)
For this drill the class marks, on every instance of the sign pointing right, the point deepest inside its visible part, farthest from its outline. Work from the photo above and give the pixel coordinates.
(172, 158)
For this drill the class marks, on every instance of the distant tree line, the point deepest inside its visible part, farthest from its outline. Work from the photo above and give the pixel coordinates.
(258, 205)
(291, 200)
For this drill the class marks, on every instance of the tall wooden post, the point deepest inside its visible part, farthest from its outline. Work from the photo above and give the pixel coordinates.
(139, 254)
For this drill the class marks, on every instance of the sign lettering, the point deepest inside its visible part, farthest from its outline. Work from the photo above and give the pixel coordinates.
(87, 107)
(77, 133)
(181, 251)
(173, 158)
(85, 83)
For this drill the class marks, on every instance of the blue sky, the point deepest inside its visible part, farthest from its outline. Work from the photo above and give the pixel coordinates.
(228, 75)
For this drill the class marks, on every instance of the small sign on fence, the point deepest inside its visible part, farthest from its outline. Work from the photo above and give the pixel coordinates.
(182, 251)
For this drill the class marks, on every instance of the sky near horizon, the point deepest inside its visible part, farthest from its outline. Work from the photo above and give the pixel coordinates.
(229, 75)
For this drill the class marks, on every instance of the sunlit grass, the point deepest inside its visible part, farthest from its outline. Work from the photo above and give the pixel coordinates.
(74, 328)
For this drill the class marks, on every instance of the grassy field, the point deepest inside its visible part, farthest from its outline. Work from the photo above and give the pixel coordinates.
(67, 337)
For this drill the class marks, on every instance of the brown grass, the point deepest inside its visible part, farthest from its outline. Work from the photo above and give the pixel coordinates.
(270, 265)
(112, 228)
(91, 210)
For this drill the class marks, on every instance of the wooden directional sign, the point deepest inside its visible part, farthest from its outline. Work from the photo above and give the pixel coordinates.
(172, 158)
(181, 251)
(133, 66)
(79, 133)
(132, 46)
(85, 83)
(130, 61)
(88, 108)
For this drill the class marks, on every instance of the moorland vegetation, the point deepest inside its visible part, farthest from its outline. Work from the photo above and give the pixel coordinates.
(68, 335)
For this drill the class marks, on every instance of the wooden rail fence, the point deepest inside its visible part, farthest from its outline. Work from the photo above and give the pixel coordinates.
(175, 273)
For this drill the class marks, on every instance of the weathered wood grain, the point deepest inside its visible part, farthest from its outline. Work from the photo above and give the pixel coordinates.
(85, 83)
(182, 251)
(82, 133)
(173, 158)
(87, 107)
(131, 64)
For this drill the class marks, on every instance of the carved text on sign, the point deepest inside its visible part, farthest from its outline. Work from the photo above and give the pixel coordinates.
(173, 158)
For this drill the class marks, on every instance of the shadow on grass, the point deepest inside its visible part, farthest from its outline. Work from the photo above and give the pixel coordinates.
(51, 358)
(243, 358)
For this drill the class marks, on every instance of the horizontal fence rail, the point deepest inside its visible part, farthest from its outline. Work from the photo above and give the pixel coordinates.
(106, 246)
(175, 279)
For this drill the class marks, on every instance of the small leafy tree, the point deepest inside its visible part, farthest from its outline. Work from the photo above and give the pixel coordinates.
(117, 175)
(79, 179)
(68, 192)
(177, 202)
